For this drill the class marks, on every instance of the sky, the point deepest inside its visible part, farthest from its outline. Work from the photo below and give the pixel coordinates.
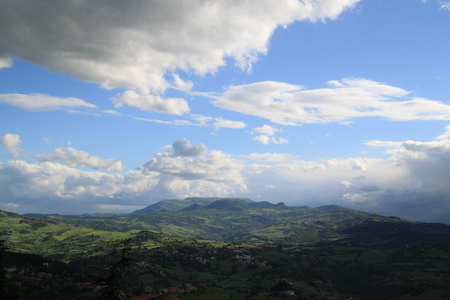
(110, 106)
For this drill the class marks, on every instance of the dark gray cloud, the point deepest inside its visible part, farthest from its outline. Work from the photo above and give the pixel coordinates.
(183, 147)
(370, 188)
(142, 45)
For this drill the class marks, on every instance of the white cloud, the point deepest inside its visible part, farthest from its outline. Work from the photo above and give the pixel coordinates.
(5, 62)
(376, 143)
(53, 187)
(280, 140)
(181, 84)
(222, 123)
(111, 112)
(139, 45)
(151, 103)
(267, 135)
(187, 162)
(444, 5)
(270, 157)
(12, 142)
(43, 102)
(346, 183)
(199, 120)
(411, 183)
(48, 141)
(76, 158)
(266, 140)
(289, 104)
(352, 198)
(263, 139)
(266, 130)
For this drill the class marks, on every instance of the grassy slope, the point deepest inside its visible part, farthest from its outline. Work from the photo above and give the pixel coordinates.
(291, 225)
(57, 240)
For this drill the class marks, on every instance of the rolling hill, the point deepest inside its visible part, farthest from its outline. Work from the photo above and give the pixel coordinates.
(246, 221)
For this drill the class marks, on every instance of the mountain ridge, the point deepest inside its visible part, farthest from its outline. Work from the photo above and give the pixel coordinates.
(179, 204)
(242, 220)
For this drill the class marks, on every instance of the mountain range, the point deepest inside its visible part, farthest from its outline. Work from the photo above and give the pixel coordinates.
(237, 220)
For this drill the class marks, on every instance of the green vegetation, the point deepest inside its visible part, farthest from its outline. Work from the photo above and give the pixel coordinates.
(227, 249)
(241, 221)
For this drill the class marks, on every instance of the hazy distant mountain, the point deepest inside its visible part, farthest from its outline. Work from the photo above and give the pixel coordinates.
(179, 204)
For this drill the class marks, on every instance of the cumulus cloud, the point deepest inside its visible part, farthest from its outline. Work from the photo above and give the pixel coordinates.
(76, 158)
(139, 45)
(50, 186)
(184, 161)
(266, 130)
(12, 142)
(43, 102)
(184, 147)
(426, 164)
(290, 104)
(267, 135)
(411, 183)
(352, 198)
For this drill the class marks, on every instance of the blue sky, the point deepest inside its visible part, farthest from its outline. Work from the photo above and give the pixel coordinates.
(111, 106)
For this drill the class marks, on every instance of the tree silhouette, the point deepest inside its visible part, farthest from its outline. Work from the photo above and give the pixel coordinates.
(2, 269)
(5, 294)
(112, 281)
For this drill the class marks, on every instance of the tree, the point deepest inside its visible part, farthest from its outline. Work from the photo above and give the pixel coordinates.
(112, 282)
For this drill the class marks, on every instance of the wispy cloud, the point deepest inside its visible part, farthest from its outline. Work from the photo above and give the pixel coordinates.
(222, 123)
(342, 101)
(270, 157)
(43, 102)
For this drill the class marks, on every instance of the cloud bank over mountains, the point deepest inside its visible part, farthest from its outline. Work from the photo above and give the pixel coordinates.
(413, 176)
(158, 58)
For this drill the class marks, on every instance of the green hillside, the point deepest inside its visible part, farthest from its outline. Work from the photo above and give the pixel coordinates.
(242, 221)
